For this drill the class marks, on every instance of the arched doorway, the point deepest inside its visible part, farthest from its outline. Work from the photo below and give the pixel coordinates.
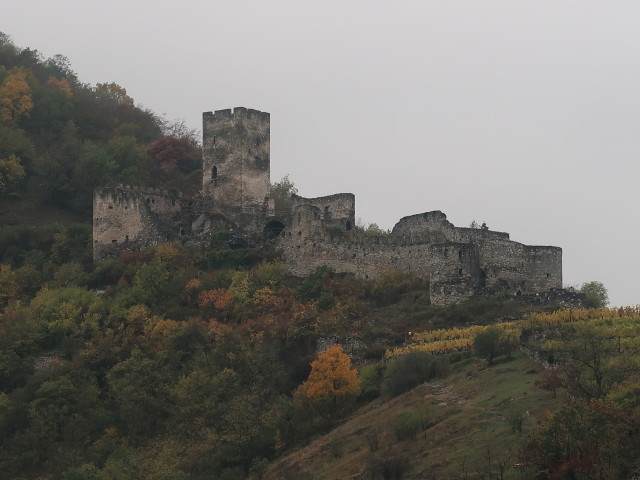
(273, 228)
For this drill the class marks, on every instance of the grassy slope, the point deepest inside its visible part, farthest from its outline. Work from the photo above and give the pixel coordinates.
(468, 411)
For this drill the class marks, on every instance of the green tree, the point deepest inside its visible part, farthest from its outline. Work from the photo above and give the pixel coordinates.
(281, 192)
(486, 344)
(596, 293)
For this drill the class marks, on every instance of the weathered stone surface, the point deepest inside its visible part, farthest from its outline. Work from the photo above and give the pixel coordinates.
(459, 262)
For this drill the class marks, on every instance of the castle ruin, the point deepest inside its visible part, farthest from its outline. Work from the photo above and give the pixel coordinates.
(313, 232)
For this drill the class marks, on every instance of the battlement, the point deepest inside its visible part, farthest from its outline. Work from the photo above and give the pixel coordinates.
(236, 113)
(139, 190)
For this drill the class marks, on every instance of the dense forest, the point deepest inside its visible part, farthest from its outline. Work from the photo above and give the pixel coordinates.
(216, 364)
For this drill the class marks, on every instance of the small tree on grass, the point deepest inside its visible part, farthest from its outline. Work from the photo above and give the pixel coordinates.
(549, 381)
(486, 344)
(331, 377)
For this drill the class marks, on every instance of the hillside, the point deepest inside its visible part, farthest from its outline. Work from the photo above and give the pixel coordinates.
(461, 429)
(60, 138)
(180, 363)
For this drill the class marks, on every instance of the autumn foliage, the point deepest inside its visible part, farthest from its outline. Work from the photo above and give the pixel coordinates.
(331, 376)
(15, 96)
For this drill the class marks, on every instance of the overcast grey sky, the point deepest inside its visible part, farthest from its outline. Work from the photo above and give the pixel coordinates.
(523, 114)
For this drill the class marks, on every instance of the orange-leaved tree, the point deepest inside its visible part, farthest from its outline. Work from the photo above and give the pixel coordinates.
(331, 377)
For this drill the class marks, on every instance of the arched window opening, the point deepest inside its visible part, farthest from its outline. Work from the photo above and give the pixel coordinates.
(214, 173)
(326, 212)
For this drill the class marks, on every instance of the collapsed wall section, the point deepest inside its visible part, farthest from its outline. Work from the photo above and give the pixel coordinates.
(334, 211)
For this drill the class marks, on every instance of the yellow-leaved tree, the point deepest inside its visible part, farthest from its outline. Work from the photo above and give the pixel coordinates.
(331, 377)
(15, 96)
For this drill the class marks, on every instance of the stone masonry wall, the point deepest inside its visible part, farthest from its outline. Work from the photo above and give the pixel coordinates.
(236, 165)
(337, 211)
(126, 218)
(425, 245)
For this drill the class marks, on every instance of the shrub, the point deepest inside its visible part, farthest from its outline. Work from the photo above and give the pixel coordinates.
(388, 466)
(407, 427)
(405, 372)
(369, 383)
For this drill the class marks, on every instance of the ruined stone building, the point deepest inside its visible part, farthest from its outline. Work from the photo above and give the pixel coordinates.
(312, 232)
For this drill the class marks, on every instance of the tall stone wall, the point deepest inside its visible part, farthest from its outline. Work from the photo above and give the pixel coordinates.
(126, 218)
(426, 245)
(236, 165)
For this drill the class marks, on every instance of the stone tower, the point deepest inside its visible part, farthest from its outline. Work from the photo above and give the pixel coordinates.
(236, 166)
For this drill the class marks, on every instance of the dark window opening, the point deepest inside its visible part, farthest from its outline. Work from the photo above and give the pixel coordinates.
(182, 231)
(548, 275)
(214, 173)
(348, 225)
(299, 234)
(483, 278)
(214, 141)
(126, 238)
(326, 212)
(114, 241)
(459, 253)
(273, 228)
(148, 201)
(459, 271)
(110, 207)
